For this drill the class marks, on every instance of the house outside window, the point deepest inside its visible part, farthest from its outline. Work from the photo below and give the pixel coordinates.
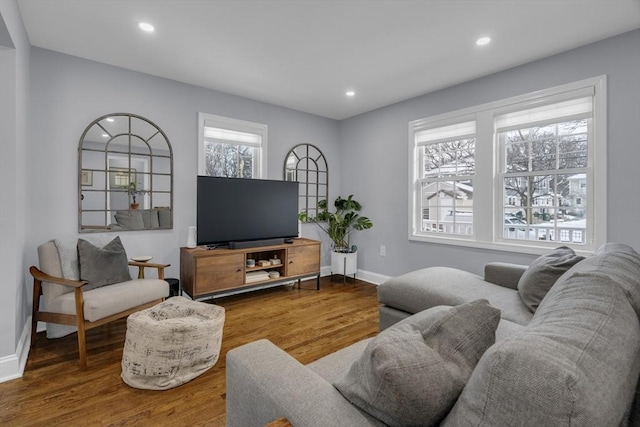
(525, 174)
(446, 169)
(230, 147)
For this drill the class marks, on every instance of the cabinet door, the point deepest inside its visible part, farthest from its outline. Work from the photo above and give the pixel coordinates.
(217, 273)
(303, 260)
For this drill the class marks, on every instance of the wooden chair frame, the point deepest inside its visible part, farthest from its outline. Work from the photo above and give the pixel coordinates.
(78, 319)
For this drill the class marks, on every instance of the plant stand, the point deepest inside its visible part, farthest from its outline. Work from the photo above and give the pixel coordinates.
(345, 264)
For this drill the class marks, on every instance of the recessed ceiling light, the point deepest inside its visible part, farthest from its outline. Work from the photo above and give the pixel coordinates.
(109, 119)
(482, 41)
(104, 135)
(145, 26)
(350, 93)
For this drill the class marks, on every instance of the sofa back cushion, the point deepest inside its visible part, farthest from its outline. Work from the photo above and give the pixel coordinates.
(576, 363)
(543, 273)
(130, 219)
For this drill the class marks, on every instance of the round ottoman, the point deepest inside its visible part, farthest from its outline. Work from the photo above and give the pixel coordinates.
(171, 343)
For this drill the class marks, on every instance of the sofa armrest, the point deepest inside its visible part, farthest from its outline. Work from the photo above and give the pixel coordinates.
(504, 274)
(265, 383)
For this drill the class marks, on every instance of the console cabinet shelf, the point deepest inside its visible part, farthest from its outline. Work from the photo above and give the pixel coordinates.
(206, 272)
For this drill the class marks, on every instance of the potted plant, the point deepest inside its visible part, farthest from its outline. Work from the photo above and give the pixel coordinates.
(133, 192)
(338, 225)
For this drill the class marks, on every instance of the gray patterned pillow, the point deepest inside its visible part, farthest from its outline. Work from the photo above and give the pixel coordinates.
(413, 372)
(103, 266)
(543, 273)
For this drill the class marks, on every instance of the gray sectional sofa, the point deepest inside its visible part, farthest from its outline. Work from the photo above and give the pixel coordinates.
(566, 352)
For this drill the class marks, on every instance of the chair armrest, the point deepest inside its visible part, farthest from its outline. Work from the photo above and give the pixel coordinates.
(43, 277)
(265, 383)
(504, 274)
(141, 266)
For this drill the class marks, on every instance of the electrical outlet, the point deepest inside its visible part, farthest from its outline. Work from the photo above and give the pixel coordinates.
(383, 250)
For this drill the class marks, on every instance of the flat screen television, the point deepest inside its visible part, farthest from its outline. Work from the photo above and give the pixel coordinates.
(240, 210)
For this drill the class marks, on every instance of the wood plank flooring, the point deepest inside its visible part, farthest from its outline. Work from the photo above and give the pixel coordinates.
(306, 323)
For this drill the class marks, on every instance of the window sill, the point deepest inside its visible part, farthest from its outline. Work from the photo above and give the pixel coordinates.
(534, 248)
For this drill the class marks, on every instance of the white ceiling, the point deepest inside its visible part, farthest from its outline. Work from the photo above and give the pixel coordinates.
(305, 54)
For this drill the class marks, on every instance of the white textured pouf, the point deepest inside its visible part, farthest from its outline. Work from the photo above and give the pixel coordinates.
(171, 343)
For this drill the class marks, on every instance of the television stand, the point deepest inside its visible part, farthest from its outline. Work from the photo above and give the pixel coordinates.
(205, 273)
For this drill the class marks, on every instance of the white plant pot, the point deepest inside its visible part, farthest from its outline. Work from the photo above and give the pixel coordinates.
(344, 263)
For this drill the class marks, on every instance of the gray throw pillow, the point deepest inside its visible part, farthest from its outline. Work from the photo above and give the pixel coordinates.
(413, 372)
(103, 266)
(543, 273)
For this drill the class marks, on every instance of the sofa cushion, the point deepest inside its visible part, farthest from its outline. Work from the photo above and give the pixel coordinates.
(422, 289)
(130, 219)
(576, 363)
(103, 266)
(543, 273)
(164, 217)
(150, 218)
(108, 300)
(413, 372)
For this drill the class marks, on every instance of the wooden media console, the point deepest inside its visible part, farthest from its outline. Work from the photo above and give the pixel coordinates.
(206, 272)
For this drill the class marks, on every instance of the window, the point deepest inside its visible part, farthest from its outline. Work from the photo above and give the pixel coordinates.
(522, 173)
(543, 150)
(231, 148)
(445, 178)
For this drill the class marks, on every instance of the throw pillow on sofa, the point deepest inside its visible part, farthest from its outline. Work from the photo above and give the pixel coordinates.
(543, 273)
(103, 266)
(413, 372)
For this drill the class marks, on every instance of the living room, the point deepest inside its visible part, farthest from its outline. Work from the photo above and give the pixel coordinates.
(48, 98)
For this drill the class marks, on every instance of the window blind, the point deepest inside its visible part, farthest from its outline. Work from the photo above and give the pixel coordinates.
(232, 136)
(579, 108)
(446, 133)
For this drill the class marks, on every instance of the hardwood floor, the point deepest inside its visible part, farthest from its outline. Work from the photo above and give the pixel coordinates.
(306, 323)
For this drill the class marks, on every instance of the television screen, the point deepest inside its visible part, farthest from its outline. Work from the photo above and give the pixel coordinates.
(241, 209)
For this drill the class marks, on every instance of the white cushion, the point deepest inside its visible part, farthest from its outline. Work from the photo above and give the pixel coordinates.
(108, 300)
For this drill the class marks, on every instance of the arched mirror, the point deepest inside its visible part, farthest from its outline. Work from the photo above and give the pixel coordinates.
(125, 175)
(306, 164)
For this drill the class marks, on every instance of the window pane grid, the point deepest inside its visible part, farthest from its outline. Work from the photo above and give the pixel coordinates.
(448, 168)
(227, 160)
(545, 207)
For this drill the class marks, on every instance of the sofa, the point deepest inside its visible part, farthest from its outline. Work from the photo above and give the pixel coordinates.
(141, 219)
(563, 349)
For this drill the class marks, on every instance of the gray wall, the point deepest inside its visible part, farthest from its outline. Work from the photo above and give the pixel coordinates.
(375, 156)
(67, 93)
(14, 169)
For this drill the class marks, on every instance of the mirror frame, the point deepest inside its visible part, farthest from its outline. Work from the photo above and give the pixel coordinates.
(86, 175)
(311, 162)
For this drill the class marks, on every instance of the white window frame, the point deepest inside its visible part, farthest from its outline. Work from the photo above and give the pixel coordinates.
(488, 196)
(210, 120)
(441, 134)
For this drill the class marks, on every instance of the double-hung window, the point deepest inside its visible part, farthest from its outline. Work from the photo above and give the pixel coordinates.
(544, 169)
(445, 172)
(525, 173)
(231, 148)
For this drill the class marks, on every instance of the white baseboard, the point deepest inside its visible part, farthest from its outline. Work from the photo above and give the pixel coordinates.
(364, 275)
(12, 366)
(371, 277)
